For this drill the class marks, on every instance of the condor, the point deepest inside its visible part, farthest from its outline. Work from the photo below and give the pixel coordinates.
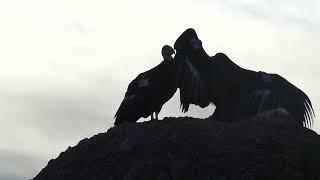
(236, 92)
(149, 91)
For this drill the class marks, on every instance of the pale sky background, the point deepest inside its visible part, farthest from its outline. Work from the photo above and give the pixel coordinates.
(65, 64)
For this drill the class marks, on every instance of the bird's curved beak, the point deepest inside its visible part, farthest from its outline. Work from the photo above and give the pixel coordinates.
(179, 57)
(173, 51)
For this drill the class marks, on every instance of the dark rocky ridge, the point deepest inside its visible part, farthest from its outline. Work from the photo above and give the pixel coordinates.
(188, 148)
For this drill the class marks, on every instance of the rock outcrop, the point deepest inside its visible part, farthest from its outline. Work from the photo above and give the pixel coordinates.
(188, 148)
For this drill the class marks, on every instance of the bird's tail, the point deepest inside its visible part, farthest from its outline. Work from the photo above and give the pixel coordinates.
(126, 111)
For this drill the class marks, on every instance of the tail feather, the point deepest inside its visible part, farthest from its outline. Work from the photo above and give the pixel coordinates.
(127, 111)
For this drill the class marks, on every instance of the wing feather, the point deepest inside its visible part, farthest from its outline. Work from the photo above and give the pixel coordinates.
(294, 100)
(191, 84)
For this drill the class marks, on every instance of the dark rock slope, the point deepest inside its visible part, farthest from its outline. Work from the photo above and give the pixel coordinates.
(188, 148)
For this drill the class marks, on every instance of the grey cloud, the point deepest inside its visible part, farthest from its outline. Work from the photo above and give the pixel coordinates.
(299, 13)
(15, 165)
(61, 110)
(10, 177)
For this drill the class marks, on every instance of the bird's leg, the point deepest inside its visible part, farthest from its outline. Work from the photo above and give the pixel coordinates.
(157, 116)
(152, 116)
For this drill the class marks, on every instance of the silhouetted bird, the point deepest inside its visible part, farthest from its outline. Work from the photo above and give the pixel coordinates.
(147, 93)
(236, 92)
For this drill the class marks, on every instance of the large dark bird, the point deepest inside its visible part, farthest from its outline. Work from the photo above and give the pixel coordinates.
(236, 92)
(147, 93)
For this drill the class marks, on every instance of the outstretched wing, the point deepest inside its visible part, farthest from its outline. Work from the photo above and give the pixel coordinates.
(294, 100)
(193, 88)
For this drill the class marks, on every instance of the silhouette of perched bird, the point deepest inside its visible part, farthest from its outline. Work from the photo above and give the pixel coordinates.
(236, 92)
(149, 91)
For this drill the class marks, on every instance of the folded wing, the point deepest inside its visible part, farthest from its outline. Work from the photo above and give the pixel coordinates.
(193, 88)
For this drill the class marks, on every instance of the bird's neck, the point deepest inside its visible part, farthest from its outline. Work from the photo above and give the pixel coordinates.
(167, 57)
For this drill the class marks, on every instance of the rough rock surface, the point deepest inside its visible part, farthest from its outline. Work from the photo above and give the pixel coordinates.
(188, 148)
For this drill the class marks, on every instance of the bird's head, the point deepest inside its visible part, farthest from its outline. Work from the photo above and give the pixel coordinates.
(167, 52)
(188, 42)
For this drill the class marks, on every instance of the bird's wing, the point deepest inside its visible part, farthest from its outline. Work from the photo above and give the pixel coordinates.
(193, 89)
(294, 100)
(127, 106)
(133, 106)
(140, 81)
(144, 80)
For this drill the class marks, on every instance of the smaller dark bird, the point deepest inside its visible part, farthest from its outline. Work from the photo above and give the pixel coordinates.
(148, 92)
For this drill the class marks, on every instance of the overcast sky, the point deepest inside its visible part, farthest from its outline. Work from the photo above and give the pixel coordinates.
(65, 64)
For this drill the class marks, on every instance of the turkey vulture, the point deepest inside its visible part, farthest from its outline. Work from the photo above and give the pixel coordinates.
(147, 93)
(236, 92)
